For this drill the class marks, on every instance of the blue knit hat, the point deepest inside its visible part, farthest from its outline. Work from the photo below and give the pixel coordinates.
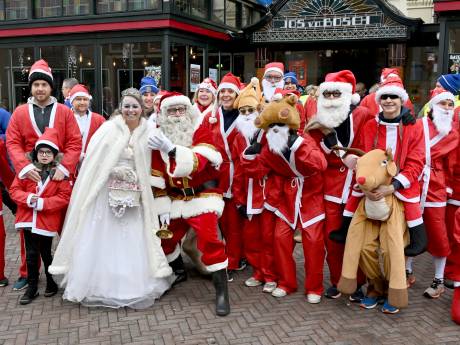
(148, 84)
(292, 76)
(450, 82)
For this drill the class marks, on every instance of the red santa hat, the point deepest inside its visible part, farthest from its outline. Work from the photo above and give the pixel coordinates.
(159, 95)
(174, 98)
(40, 71)
(274, 67)
(439, 94)
(343, 81)
(280, 93)
(49, 138)
(392, 86)
(389, 72)
(79, 90)
(209, 85)
(230, 81)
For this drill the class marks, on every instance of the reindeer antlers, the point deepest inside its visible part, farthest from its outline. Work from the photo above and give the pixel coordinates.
(357, 152)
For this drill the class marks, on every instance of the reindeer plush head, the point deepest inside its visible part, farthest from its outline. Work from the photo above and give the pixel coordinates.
(375, 168)
(280, 111)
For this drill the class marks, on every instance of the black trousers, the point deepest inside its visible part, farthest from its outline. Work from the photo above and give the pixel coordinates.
(36, 246)
(7, 199)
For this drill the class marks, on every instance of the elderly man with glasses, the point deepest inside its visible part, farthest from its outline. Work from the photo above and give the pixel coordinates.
(273, 79)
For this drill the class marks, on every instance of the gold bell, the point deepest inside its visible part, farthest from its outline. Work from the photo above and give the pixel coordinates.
(164, 233)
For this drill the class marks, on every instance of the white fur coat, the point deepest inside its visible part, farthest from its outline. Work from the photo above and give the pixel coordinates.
(102, 155)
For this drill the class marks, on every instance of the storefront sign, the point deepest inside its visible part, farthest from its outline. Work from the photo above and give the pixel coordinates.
(454, 63)
(325, 20)
(213, 74)
(195, 77)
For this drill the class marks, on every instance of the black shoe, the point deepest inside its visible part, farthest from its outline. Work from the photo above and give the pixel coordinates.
(332, 292)
(219, 279)
(179, 270)
(449, 284)
(340, 235)
(4, 282)
(30, 294)
(51, 287)
(231, 275)
(242, 265)
(418, 241)
(357, 296)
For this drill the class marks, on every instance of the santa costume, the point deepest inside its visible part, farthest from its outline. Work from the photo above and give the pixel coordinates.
(298, 161)
(337, 121)
(209, 85)
(183, 161)
(270, 85)
(87, 123)
(221, 125)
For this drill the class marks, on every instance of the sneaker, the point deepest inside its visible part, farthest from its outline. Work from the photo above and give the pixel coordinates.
(435, 290)
(410, 278)
(20, 284)
(357, 296)
(332, 292)
(4, 282)
(251, 282)
(231, 274)
(29, 296)
(51, 288)
(313, 298)
(242, 265)
(389, 309)
(269, 287)
(371, 302)
(278, 292)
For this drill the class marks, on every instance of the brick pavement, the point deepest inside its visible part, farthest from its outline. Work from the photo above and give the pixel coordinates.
(185, 316)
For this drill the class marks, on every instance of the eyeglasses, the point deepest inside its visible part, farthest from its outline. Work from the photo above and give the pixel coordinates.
(384, 97)
(45, 153)
(244, 111)
(173, 111)
(335, 94)
(273, 77)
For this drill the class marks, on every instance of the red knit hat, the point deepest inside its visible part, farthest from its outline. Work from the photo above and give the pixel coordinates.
(343, 81)
(208, 84)
(274, 67)
(439, 94)
(79, 90)
(40, 71)
(392, 86)
(389, 72)
(49, 138)
(230, 81)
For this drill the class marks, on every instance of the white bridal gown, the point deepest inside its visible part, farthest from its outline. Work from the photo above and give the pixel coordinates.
(110, 263)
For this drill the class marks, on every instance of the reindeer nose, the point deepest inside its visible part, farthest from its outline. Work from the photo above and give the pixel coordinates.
(361, 180)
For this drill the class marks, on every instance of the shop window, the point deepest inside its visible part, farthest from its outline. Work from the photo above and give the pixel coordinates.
(22, 59)
(199, 8)
(16, 9)
(137, 5)
(218, 10)
(230, 13)
(2, 10)
(76, 7)
(246, 16)
(454, 50)
(48, 8)
(57, 60)
(147, 62)
(80, 65)
(108, 6)
(178, 74)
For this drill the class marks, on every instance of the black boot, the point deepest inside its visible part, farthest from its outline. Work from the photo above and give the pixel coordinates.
(30, 294)
(179, 270)
(219, 279)
(418, 241)
(51, 286)
(340, 235)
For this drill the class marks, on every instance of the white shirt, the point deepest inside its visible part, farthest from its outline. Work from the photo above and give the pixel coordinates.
(82, 122)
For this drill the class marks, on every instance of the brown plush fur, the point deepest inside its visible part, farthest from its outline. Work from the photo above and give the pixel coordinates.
(281, 111)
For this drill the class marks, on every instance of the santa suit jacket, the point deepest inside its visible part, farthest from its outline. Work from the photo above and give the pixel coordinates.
(223, 141)
(47, 217)
(374, 108)
(453, 173)
(437, 149)
(179, 182)
(202, 114)
(95, 121)
(247, 190)
(22, 133)
(302, 188)
(338, 178)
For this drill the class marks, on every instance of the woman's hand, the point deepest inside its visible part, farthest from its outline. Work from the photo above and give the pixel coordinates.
(379, 193)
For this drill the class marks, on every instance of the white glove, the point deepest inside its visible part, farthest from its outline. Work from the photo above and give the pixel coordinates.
(164, 218)
(159, 141)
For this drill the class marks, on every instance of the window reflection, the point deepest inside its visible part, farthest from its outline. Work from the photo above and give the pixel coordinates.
(76, 7)
(16, 9)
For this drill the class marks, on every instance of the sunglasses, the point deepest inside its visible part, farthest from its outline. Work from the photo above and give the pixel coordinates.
(335, 94)
(384, 97)
(244, 111)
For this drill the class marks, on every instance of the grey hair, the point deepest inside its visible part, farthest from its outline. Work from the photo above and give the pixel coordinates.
(69, 83)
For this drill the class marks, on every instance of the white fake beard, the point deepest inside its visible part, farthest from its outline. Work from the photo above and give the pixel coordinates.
(245, 125)
(269, 89)
(332, 112)
(442, 119)
(178, 129)
(277, 138)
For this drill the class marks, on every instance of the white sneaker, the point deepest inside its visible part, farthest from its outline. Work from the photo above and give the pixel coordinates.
(251, 282)
(269, 287)
(313, 298)
(279, 292)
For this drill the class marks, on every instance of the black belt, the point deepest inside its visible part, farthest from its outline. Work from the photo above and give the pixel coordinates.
(188, 192)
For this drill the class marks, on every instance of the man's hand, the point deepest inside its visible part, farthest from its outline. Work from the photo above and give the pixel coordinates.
(253, 149)
(58, 175)
(33, 200)
(379, 193)
(159, 141)
(33, 175)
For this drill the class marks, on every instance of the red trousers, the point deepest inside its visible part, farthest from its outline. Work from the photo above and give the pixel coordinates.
(268, 266)
(452, 270)
(231, 225)
(205, 226)
(2, 247)
(436, 231)
(313, 250)
(334, 250)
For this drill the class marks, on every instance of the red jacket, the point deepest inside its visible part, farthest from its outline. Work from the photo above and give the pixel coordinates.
(301, 189)
(453, 178)
(47, 217)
